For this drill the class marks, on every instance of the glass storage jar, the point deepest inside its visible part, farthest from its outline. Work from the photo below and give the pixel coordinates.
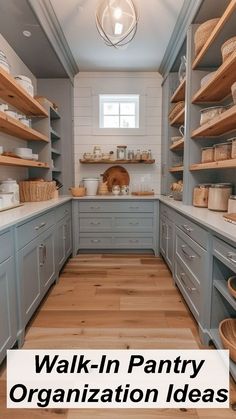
(207, 154)
(219, 194)
(222, 151)
(200, 195)
(121, 152)
(97, 152)
(232, 204)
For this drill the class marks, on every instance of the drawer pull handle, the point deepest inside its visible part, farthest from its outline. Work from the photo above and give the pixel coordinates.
(134, 208)
(133, 223)
(95, 208)
(134, 241)
(95, 241)
(94, 223)
(40, 226)
(187, 228)
(190, 257)
(190, 289)
(232, 257)
(41, 257)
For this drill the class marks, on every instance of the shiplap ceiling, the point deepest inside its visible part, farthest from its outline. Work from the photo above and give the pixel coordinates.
(145, 53)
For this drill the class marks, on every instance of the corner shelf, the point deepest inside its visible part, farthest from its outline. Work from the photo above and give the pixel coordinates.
(13, 127)
(11, 92)
(177, 169)
(56, 170)
(54, 114)
(117, 161)
(219, 125)
(56, 152)
(179, 119)
(224, 164)
(54, 135)
(219, 87)
(179, 93)
(14, 161)
(221, 286)
(178, 145)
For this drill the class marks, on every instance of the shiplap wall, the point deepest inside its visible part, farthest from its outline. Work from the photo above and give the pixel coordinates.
(87, 85)
(8, 142)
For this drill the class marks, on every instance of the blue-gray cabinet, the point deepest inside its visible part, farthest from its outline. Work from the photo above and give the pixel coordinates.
(63, 234)
(167, 235)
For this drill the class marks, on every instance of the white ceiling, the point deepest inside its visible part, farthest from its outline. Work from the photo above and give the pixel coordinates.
(145, 53)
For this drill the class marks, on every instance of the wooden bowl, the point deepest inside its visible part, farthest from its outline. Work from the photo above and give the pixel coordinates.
(232, 286)
(227, 330)
(77, 191)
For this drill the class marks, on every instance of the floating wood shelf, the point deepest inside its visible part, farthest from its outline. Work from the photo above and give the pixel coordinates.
(14, 127)
(178, 145)
(11, 92)
(179, 93)
(224, 164)
(179, 119)
(227, 15)
(176, 169)
(117, 161)
(219, 86)
(14, 161)
(222, 124)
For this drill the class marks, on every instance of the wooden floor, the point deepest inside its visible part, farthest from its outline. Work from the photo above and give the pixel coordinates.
(113, 301)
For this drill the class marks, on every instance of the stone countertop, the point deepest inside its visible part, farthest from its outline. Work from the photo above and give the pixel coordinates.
(212, 220)
(115, 197)
(27, 210)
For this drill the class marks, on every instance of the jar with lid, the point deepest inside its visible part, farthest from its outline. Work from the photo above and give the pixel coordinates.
(121, 152)
(200, 195)
(222, 151)
(11, 186)
(219, 194)
(97, 152)
(207, 154)
(232, 204)
(138, 154)
(149, 154)
(144, 155)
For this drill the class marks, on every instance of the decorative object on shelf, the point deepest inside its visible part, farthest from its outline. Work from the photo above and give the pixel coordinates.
(124, 190)
(91, 185)
(138, 155)
(176, 109)
(203, 32)
(6, 199)
(200, 195)
(105, 156)
(219, 194)
(222, 151)
(233, 91)
(88, 156)
(207, 154)
(121, 152)
(144, 155)
(116, 175)
(77, 191)
(233, 147)
(177, 190)
(36, 190)
(232, 285)
(11, 186)
(117, 22)
(182, 69)
(149, 154)
(4, 62)
(232, 204)
(206, 79)
(227, 330)
(208, 114)
(228, 48)
(45, 101)
(115, 190)
(103, 189)
(26, 83)
(97, 152)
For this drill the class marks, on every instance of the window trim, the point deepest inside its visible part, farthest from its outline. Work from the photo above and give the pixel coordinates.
(118, 98)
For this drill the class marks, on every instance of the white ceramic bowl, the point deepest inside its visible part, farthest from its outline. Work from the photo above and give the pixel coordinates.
(35, 157)
(23, 151)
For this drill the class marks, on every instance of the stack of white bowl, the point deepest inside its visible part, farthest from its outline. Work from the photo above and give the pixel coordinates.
(26, 83)
(3, 62)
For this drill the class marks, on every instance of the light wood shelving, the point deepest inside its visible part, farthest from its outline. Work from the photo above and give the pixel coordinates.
(219, 87)
(178, 145)
(215, 33)
(179, 119)
(219, 125)
(224, 164)
(116, 161)
(14, 161)
(179, 93)
(176, 169)
(13, 127)
(11, 92)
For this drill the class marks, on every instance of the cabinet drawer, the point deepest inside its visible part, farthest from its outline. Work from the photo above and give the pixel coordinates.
(63, 211)
(197, 233)
(6, 246)
(225, 252)
(95, 224)
(134, 223)
(191, 254)
(31, 229)
(92, 242)
(166, 212)
(135, 242)
(187, 287)
(116, 206)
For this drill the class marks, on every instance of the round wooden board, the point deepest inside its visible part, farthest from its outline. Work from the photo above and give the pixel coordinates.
(116, 175)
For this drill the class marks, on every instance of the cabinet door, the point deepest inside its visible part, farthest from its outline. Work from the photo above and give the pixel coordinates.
(68, 239)
(60, 245)
(163, 236)
(30, 260)
(170, 244)
(47, 266)
(8, 320)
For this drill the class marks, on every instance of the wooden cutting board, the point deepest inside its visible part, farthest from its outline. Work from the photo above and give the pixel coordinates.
(231, 218)
(116, 175)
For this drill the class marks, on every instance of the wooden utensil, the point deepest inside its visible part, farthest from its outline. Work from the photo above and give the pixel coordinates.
(116, 175)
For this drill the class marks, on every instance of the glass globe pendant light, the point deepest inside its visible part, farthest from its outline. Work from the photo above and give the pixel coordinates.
(117, 21)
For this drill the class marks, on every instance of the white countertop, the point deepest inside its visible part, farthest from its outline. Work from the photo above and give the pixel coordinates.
(212, 220)
(117, 197)
(27, 210)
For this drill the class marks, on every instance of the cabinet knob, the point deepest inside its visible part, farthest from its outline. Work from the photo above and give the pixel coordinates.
(190, 257)
(187, 228)
(232, 257)
(134, 223)
(95, 241)
(134, 241)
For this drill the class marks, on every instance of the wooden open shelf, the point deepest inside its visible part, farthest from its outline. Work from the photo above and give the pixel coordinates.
(179, 119)
(216, 32)
(179, 93)
(13, 127)
(176, 169)
(224, 164)
(219, 86)
(11, 92)
(14, 161)
(222, 124)
(178, 145)
(117, 161)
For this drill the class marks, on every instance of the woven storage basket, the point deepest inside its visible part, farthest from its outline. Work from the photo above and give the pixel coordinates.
(228, 48)
(176, 110)
(227, 330)
(35, 191)
(203, 32)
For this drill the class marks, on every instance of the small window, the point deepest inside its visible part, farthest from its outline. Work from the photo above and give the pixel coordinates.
(119, 111)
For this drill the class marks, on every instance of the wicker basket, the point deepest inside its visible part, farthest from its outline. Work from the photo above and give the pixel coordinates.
(227, 330)
(77, 191)
(35, 191)
(203, 32)
(176, 110)
(228, 48)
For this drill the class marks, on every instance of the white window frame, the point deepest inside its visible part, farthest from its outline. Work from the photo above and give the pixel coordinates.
(118, 99)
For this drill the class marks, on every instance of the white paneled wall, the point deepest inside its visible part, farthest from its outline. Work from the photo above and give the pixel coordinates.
(88, 85)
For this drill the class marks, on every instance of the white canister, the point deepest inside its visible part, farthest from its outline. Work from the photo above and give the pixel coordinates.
(11, 186)
(7, 199)
(232, 204)
(91, 186)
(26, 83)
(219, 194)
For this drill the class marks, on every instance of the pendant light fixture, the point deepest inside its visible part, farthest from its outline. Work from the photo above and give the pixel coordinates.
(117, 22)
